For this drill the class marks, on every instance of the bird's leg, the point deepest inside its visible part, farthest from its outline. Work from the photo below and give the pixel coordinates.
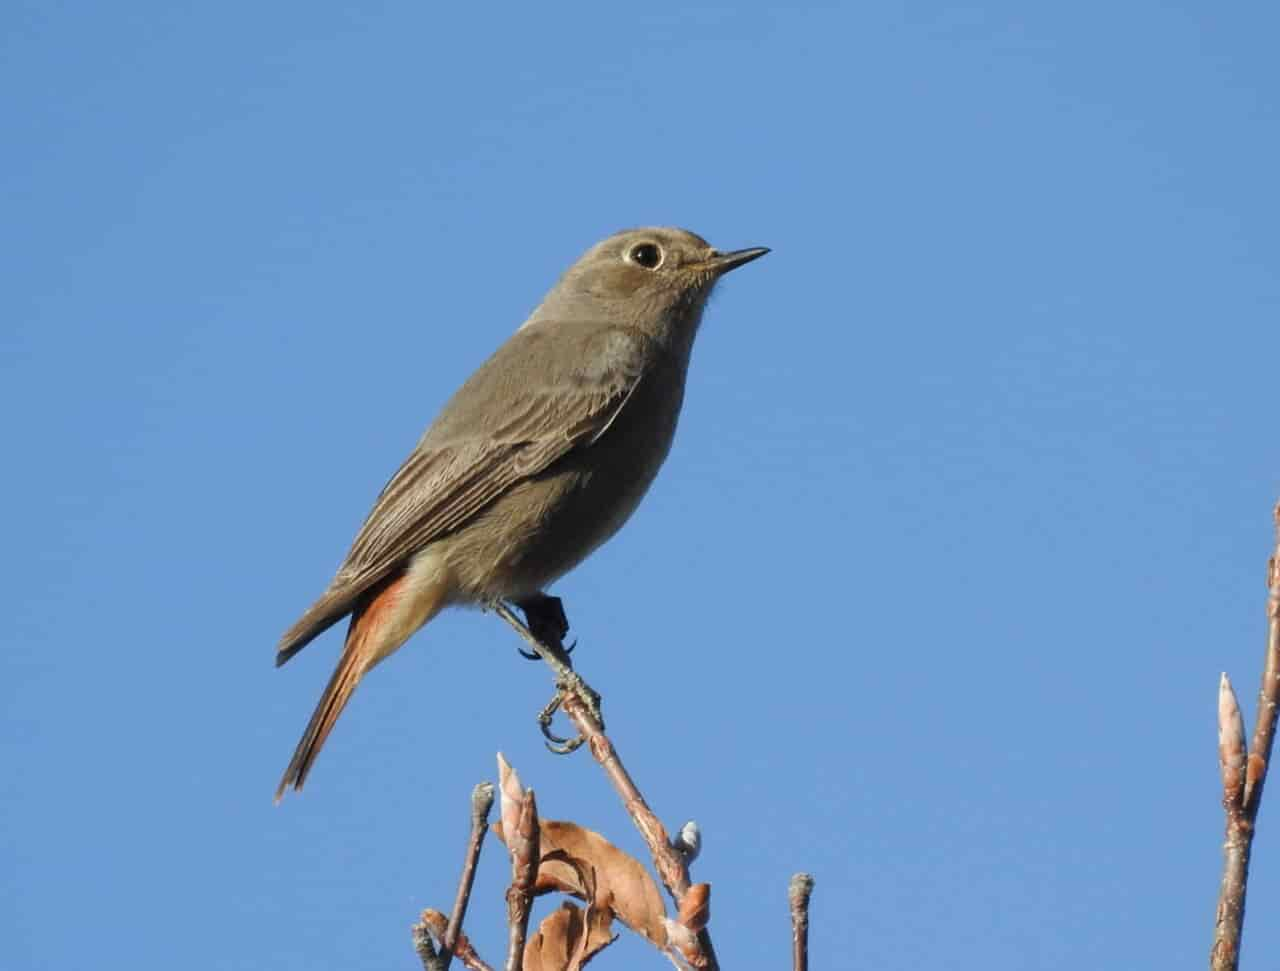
(568, 681)
(546, 620)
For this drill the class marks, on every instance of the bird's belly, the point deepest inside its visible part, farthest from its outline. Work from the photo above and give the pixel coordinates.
(545, 526)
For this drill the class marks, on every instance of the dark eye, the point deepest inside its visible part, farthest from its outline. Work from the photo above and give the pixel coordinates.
(646, 254)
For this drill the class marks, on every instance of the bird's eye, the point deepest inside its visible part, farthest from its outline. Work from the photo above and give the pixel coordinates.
(647, 255)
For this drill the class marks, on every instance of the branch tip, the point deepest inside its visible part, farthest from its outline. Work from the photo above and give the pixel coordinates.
(798, 892)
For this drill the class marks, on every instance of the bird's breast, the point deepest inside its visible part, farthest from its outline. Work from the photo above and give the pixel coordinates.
(546, 525)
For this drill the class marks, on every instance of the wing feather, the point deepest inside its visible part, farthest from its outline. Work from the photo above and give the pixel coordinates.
(450, 477)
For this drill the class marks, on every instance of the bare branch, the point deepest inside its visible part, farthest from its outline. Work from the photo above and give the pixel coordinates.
(1241, 807)
(798, 895)
(435, 924)
(468, 956)
(1264, 730)
(669, 862)
(481, 803)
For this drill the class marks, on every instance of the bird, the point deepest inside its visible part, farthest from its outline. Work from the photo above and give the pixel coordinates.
(540, 456)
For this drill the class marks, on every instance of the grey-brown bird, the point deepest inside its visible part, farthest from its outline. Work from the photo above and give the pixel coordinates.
(538, 458)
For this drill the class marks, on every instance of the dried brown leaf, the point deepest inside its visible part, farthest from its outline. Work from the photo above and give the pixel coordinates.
(622, 884)
(568, 938)
(581, 862)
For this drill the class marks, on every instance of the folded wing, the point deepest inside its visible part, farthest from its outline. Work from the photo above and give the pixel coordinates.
(490, 436)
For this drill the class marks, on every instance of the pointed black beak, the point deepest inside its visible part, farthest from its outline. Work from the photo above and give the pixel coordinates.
(724, 262)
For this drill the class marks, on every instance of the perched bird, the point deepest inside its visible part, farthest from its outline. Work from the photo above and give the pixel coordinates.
(538, 458)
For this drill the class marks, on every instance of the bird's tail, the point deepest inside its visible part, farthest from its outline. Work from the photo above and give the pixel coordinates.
(379, 626)
(351, 667)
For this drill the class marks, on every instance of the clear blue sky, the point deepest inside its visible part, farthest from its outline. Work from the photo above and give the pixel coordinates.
(968, 508)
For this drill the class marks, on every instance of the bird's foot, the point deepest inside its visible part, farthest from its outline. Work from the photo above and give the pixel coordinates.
(546, 621)
(572, 686)
(569, 684)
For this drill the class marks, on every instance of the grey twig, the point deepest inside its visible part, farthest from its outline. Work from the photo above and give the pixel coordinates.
(1243, 778)
(481, 803)
(669, 862)
(433, 922)
(1264, 729)
(468, 956)
(798, 895)
(433, 926)
(523, 841)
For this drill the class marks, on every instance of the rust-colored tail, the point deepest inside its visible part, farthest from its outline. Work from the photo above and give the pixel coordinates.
(379, 625)
(369, 640)
(351, 667)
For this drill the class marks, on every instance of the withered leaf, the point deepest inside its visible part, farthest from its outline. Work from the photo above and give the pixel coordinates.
(581, 862)
(568, 938)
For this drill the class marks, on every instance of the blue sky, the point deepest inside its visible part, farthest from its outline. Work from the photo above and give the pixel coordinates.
(968, 508)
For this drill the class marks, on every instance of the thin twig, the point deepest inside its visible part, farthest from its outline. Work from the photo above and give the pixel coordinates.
(468, 956)
(523, 841)
(1264, 729)
(798, 896)
(669, 862)
(481, 803)
(1242, 797)
(432, 926)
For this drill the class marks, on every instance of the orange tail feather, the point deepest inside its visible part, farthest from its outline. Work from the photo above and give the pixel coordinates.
(360, 653)
(335, 698)
(383, 621)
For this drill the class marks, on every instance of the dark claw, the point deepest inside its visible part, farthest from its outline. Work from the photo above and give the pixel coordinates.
(530, 656)
(551, 737)
(554, 743)
(572, 745)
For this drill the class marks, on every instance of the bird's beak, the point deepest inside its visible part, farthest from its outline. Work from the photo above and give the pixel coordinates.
(721, 263)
